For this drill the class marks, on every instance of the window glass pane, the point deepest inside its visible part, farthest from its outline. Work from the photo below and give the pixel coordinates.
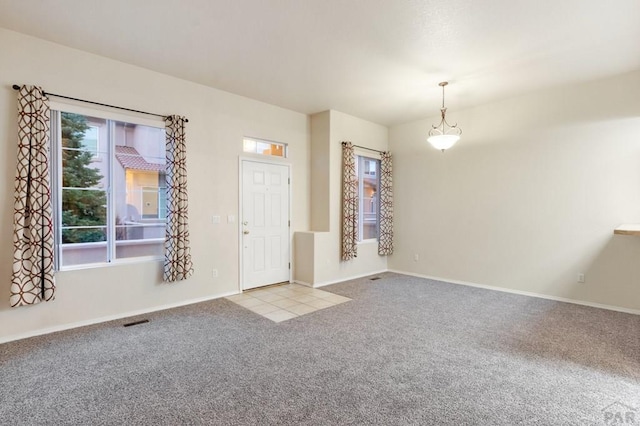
(83, 199)
(249, 145)
(84, 230)
(90, 140)
(83, 207)
(263, 148)
(84, 253)
(139, 190)
(82, 168)
(276, 150)
(368, 182)
(257, 146)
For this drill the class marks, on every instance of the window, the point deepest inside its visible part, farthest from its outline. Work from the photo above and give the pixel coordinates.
(368, 184)
(109, 189)
(258, 146)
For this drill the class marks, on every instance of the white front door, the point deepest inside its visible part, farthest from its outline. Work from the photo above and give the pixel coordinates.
(264, 224)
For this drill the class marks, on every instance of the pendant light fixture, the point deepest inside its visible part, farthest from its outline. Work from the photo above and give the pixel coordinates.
(444, 135)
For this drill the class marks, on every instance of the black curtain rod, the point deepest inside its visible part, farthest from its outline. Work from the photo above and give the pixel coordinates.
(16, 87)
(370, 149)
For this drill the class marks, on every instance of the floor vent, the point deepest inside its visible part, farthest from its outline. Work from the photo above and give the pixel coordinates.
(374, 278)
(136, 322)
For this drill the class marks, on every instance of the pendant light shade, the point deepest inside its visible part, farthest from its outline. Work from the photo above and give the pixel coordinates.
(443, 142)
(443, 135)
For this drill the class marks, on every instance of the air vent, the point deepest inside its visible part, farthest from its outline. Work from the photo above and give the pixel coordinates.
(136, 322)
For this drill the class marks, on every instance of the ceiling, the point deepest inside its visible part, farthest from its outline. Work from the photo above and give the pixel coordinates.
(380, 60)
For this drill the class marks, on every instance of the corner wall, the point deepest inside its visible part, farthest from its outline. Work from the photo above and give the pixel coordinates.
(217, 122)
(530, 196)
(320, 259)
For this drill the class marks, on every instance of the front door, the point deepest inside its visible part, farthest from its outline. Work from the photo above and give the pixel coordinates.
(265, 224)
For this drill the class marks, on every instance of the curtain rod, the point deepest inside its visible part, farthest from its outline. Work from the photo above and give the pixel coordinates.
(364, 147)
(16, 87)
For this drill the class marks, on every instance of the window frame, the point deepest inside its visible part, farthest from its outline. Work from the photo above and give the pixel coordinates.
(56, 176)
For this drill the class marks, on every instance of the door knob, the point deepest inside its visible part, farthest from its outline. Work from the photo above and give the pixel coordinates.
(245, 232)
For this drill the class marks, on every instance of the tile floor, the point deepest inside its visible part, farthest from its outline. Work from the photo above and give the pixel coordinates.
(281, 302)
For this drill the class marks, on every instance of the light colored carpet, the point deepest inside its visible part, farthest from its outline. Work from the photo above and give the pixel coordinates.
(404, 351)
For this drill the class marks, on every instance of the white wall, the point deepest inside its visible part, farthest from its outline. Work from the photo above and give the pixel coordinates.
(529, 196)
(320, 126)
(217, 123)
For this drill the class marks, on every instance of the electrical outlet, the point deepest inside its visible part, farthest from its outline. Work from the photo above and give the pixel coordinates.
(215, 219)
(416, 257)
(214, 273)
(581, 278)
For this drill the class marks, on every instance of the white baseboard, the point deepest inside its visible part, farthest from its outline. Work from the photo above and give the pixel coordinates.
(107, 318)
(523, 293)
(62, 327)
(339, 280)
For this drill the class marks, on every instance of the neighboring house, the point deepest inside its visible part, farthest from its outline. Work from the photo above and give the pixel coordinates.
(145, 182)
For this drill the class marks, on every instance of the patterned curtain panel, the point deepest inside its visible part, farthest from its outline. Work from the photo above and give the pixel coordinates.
(385, 243)
(177, 262)
(32, 278)
(349, 203)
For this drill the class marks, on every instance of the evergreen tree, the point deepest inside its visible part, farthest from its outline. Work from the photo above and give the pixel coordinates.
(80, 207)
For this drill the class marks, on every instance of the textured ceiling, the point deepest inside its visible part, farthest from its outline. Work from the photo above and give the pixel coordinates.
(376, 59)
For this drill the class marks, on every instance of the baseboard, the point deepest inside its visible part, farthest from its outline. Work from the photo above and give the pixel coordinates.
(340, 280)
(40, 332)
(523, 293)
(304, 283)
(107, 318)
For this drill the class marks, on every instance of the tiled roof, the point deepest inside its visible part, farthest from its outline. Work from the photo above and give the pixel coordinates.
(130, 158)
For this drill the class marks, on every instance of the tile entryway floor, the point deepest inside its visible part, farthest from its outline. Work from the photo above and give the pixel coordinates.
(281, 302)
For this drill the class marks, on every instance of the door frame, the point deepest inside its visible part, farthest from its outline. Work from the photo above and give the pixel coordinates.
(273, 161)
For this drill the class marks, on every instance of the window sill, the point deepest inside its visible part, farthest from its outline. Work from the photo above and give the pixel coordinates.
(628, 229)
(120, 262)
(370, 241)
